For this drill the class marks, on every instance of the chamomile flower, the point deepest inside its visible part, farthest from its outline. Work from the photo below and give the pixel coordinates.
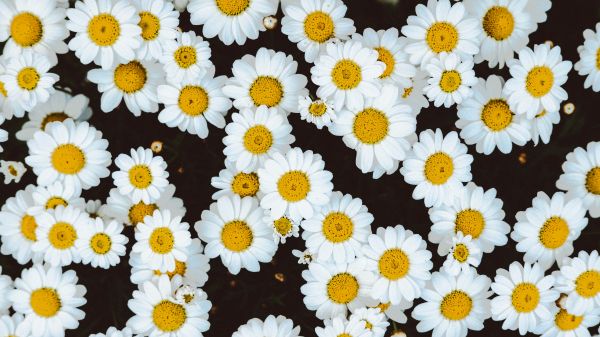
(486, 120)
(12, 325)
(46, 198)
(340, 326)
(254, 135)
(272, 326)
(542, 125)
(463, 254)
(134, 82)
(337, 231)
(347, 73)
(74, 153)
(579, 278)
(454, 304)
(6, 285)
(114, 332)
(566, 324)
(101, 244)
(438, 165)
(312, 24)
(269, 78)
(50, 300)
(545, 232)
(450, 80)
(141, 176)
(331, 289)
(295, 183)
(413, 94)
(318, 112)
(192, 104)
(304, 257)
(537, 77)
(234, 229)
(374, 319)
(283, 227)
(232, 181)
(13, 171)
(158, 21)
(588, 59)
(106, 32)
(525, 297)
(186, 57)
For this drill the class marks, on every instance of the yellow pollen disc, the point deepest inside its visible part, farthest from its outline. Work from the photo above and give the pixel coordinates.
(337, 227)
(130, 77)
(150, 25)
(232, 7)
(12, 170)
(237, 236)
(180, 268)
(460, 253)
(26, 29)
(139, 211)
(498, 23)
(104, 30)
(450, 81)
(100, 243)
(342, 288)
(368, 324)
(592, 181)
(317, 108)
(283, 226)
(407, 92)
(319, 27)
(496, 115)
(442, 36)
(567, 322)
(387, 58)
(62, 235)
(539, 81)
(45, 302)
(28, 78)
(554, 232)
(53, 117)
(266, 90)
(185, 56)
(525, 297)
(370, 126)
(346, 74)
(383, 306)
(394, 264)
(258, 139)
(344, 334)
(245, 184)
(53, 202)
(438, 168)
(3, 89)
(587, 285)
(193, 100)
(168, 316)
(456, 305)
(293, 186)
(162, 240)
(597, 60)
(140, 176)
(68, 159)
(28, 227)
(469, 222)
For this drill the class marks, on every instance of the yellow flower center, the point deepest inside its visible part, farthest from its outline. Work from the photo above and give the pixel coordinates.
(317, 108)
(245, 184)
(387, 58)
(283, 226)
(258, 139)
(237, 236)
(346, 74)
(370, 126)
(139, 211)
(407, 92)
(140, 176)
(342, 288)
(62, 235)
(53, 117)
(28, 78)
(469, 222)
(525, 297)
(28, 227)
(592, 181)
(104, 30)
(130, 77)
(26, 29)
(266, 90)
(319, 27)
(45, 302)
(587, 284)
(232, 7)
(450, 81)
(68, 159)
(100, 243)
(12, 170)
(293, 186)
(3, 89)
(496, 115)
(461, 253)
(162, 240)
(53, 202)
(193, 100)
(394, 264)
(168, 316)
(438, 168)
(554, 232)
(442, 36)
(150, 25)
(567, 322)
(337, 227)
(185, 56)
(498, 23)
(539, 81)
(456, 305)
(597, 59)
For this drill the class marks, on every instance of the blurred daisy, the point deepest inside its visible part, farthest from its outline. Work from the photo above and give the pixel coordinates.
(313, 23)
(114, 332)
(318, 112)
(158, 21)
(438, 165)
(579, 278)
(588, 59)
(6, 285)
(254, 135)
(46, 198)
(581, 177)
(12, 171)
(566, 324)
(395, 312)
(374, 319)
(337, 231)
(413, 94)
(232, 181)
(542, 125)
(545, 232)
(283, 228)
(101, 244)
(339, 326)
(186, 57)
(141, 176)
(96, 209)
(463, 254)
(272, 326)
(12, 325)
(450, 80)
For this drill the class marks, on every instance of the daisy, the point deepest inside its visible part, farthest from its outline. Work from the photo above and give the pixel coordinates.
(255, 135)
(379, 130)
(304, 257)
(295, 183)
(186, 294)
(161, 240)
(12, 171)
(374, 319)
(46, 198)
(49, 299)
(186, 57)
(525, 297)
(579, 278)
(566, 324)
(74, 153)
(141, 176)
(413, 94)
(339, 326)
(283, 228)
(234, 229)
(545, 232)
(542, 125)
(312, 24)
(279, 326)
(347, 73)
(158, 21)
(236, 20)
(6, 285)
(318, 112)
(337, 231)
(395, 312)
(440, 27)
(454, 304)
(134, 82)
(581, 177)
(106, 32)
(463, 254)
(269, 78)
(438, 165)
(537, 77)
(486, 120)
(12, 326)
(189, 105)
(114, 332)
(96, 209)
(101, 243)
(588, 64)
(331, 289)
(232, 181)
(450, 80)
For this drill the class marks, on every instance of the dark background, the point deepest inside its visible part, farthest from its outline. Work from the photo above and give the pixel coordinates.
(193, 161)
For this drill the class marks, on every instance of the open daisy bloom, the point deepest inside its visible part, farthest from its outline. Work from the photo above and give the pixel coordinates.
(232, 181)
(319, 112)
(185, 58)
(579, 278)
(141, 176)
(158, 21)
(463, 254)
(374, 319)
(46, 198)
(565, 324)
(272, 326)
(101, 243)
(450, 80)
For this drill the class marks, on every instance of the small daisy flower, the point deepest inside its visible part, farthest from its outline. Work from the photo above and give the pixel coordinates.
(6, 285)
(158, 21)
(12, 325)
(186, 294)
(542, 125)
(46, 198)
(567, 324)
(101, 243)
(463, 254)
(141, 176)
(283, 227)
(232, 181)
(318, 112)
(395, 312)
(450, 80)
(588, 64)
(579, 278)
(339, 326)
(96, 209)
(304, 257)
(272, 326)
(186, 57)
(13, 171)
(413, 94)
(114, 332)
(374, 319)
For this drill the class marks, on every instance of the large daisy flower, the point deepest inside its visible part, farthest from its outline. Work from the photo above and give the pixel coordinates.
(272, 326)
(186, 57)
(101, 243)
(566, 324)
(232, 181)
(463, 254)
(318, 112)
(588, 64)
(141, 176)
(450, 80)
(47, 198)
(579, 278)
(158, 21)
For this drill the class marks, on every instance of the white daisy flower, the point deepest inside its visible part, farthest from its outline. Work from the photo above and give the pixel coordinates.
(413, 94)
(6, 285)
(588, 59)
(134, 82)
(161, 240)
(438, 165)
(114, 332)
(283, 228)
(158, 21)
(141, 176)
(190, 104)
(454, 304)
(272, 326)
(331, 289)
(347, 73)
(232, 181)
(395, 312)
(537, 77)
(13, 171)
(337, 231)
(313, 23)
(186, 294)
(374, 319)
(12, 325)
(339, 326)
(463, 254)
(49, 299)
(46, 198)
(186, 57)
(485, 119)
(525, 297)
(566, 324)
(318, 112)
(295, 183)
(106, 31)
(450, 80)
(579, 278)
(101, 243)
(545, 232)
(542, 125)
(255, 135)
(236, 20)
(304, 257)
